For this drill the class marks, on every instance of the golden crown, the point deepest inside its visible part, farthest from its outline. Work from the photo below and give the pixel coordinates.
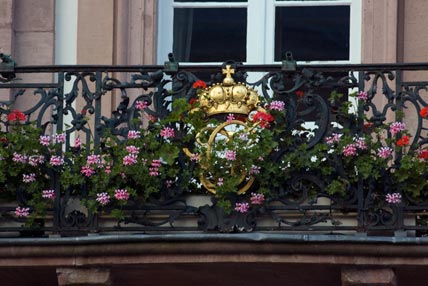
(228, 97)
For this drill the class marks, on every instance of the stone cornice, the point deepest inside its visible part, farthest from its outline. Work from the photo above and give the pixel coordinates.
(149, 249)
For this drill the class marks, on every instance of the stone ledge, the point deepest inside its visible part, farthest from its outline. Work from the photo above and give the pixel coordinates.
(339, 253)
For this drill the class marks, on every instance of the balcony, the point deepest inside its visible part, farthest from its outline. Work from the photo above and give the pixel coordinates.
(312, 186)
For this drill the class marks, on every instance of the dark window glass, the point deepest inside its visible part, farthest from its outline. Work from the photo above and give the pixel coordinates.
(312, 33)
(210, 34)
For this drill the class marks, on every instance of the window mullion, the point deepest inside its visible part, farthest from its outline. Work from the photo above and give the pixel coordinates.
(355, 36)
(165, 30)
(269, 34)
(256, 19)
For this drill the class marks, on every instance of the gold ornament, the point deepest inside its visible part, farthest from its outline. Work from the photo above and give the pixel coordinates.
(227, 97)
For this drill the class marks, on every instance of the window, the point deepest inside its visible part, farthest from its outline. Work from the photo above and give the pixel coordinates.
(260, 31)
(312, 33)
(204, 34)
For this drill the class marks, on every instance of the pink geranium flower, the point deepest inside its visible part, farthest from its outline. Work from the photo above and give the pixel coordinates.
(277, 105)
(230, 117)
(87, 171)
(29, 178)
(254, 170)
(93, 160)
(167, 132)
(121, 194)
(362, 95)
(195, 157)
(156, 163)
(384, 152)
(22, 212)
(21, 158)
(107, 169)
(103, 198)
(334, 138)
(397, 127)
(77, 142)
(133, 134)
(133, 149)
(130, 159)
(349, 150)
(361, 143)
(45, 140)
(60, 138)
(394, 198)
(140, 105)
(169, 183)
(220, 182)
(36, 160)
(257, 199)
(48, 194)
(242, 207)
(230, 155)
(57, 160)
(154, 168)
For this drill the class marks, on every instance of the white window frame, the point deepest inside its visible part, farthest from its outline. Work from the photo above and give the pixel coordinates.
(260, 45)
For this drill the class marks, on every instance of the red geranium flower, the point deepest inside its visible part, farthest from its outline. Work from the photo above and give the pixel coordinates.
(264, 118)
(199, 84)
(424, 112)
(16, 115)
(300, 93)
(403, 141)
(192, 101)
(423, 154)
(241, 117)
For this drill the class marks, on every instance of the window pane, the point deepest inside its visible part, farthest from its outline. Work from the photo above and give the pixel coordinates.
(210, 34)
(314, 33)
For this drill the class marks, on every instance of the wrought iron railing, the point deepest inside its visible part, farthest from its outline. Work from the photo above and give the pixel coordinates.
(107, 95)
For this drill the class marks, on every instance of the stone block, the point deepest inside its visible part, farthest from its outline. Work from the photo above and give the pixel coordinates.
(6, 12)
(83, 276)
(6, 41)
(34, 15)
(142, 28)
(34, 48)
(95, 32)
(368, 277)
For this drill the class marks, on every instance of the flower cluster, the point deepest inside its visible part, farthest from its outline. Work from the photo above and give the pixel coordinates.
(27, 159)
(394, 198)
(236, 153)
(384, 151)
(16, 116)
(239, 158)
(263, 118)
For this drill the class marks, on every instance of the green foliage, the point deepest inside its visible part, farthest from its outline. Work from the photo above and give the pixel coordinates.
(403, 164)
(225, 156)
(337, 187)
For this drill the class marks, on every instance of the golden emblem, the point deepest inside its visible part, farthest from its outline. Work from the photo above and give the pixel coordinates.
(227, 97)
